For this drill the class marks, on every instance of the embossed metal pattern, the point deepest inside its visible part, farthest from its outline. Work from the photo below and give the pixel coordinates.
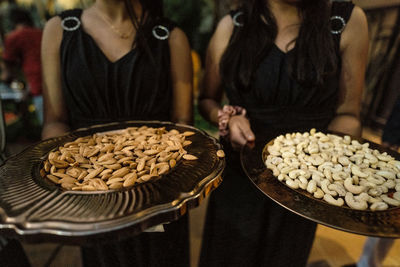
(36, 209)
(371, 223)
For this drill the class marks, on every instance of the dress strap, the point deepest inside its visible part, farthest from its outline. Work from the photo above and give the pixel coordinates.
(237, 17)
(71, 19)
(341, 12)
(162, 29)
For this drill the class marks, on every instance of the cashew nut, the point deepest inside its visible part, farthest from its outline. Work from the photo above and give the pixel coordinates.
(319, 193)
(312, 186)
(338, 188)
(379, 206)
(356, 171)
(353, 203)
(337, 202)
(324, 187)
(338, 176)
(348, 184)
(396, 196)
(386, 174)
(294, 184)
(390, 201)
(295, 173)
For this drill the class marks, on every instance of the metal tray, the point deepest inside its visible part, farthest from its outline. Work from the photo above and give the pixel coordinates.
(371, 223)
(36, 210)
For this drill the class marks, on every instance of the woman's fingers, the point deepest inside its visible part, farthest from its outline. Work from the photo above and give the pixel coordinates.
(240, 131)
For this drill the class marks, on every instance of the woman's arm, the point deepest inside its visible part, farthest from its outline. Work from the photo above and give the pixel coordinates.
(211, 91)
(182, 77)
(354, 53)
(211, 94)
(55, 115)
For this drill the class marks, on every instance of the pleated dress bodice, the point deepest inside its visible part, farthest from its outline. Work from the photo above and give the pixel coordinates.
(135, 87)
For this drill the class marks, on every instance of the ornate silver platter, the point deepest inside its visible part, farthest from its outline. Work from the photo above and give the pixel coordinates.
(34, 209)
(371, 223)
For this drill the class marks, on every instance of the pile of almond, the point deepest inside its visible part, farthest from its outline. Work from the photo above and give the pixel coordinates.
(115, 160)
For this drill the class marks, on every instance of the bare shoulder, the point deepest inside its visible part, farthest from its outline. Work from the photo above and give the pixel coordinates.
(53, 30)
(178, 38)
(225, 27)
(356, 26)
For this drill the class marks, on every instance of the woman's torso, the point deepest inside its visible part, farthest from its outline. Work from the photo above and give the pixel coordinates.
(276, 103)
(96, 90)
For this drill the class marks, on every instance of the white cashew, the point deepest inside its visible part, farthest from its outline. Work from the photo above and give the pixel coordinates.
(286, 170)
(324, 187)
(347, 139)
(303, 182)
(325, 165)
(376, 179)
(373, 200)
(276, 160)
(390, 184)
(313, 149)
(396, 196)
(371, 158)
(288, 149)
(383, 188)
(375, 192)
(319, 193)
(312, 186)
(338, 188)
(367, 184)
(397, 187)
(387, 174)
(337, 202)
(385, 157)
(344, 160)
(282, 177)
(337, 168)
(356, 171)
(348, 184)
(390, 201)
(288, 155)
(295, 173)
(353, 203)
(294, 184)
(362, 197)
(379, 206)
(338, 176)
(328, 174)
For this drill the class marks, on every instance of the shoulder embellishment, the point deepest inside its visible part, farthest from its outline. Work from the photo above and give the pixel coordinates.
(235, 19)
(160, 32)
(70, 23)
(339, 26)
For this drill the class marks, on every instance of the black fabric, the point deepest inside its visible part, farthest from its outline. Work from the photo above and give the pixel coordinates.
(169, 249)
(243, 227)
(391, 132)
(12, 254)
(135, 87)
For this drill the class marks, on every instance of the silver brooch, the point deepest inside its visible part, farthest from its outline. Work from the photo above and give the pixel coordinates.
(70, 28)
(343, 24)
(163, 29)
(235, 19)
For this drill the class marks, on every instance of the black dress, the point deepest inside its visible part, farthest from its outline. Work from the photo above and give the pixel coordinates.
(243, 227)
(135, 87)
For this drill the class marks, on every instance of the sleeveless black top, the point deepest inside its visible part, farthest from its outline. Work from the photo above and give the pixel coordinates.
(96, 90)
(276, 103)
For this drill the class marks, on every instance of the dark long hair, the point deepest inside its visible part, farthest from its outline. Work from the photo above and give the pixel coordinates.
(314, 54)
(151, 12)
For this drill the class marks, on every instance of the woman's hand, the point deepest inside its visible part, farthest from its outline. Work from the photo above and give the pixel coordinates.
(239, 131)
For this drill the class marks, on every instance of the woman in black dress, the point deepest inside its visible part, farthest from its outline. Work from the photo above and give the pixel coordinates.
(114, 61)
(292, 65)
